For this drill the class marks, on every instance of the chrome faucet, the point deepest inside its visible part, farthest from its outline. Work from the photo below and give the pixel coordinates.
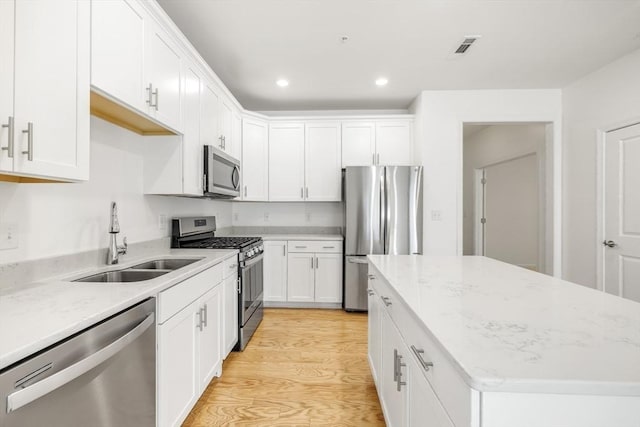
(115, 250)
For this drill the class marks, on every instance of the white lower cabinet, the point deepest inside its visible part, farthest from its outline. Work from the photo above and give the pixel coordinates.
(300, 277)
(375, 335)
(190, 339)
(328, 278)
(275, 270)
(230, 313)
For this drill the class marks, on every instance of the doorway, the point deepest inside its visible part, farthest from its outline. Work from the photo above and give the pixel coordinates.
(504, 202)
(620, 242)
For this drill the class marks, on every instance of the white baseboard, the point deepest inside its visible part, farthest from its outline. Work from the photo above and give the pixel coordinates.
(288, 304)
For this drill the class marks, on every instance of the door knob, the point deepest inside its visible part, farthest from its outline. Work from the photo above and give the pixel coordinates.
(610, 243)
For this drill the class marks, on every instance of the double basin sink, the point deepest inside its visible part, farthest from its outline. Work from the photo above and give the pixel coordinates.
(140, 272)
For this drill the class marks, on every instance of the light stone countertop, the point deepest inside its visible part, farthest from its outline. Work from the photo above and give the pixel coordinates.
(319, 237)
(40, 314)
(506, 328)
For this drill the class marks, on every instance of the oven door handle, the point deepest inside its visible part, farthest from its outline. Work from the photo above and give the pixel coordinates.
(252, 261)
(33, 392)
(235, 178)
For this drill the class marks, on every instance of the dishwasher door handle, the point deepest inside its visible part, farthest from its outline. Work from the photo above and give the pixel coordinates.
(33, 392)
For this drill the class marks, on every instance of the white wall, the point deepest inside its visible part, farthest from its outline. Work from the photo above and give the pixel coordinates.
(604, 99)
(488, 146)
(288, 214)
(56, 219)
(441, 116)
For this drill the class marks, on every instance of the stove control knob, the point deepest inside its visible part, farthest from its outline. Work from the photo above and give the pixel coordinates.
(250, 253)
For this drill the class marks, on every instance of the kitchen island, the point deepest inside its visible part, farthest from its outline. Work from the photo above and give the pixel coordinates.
(470, 341)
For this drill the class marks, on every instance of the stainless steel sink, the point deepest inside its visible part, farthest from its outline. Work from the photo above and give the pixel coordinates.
(165, 264)
(128, 275)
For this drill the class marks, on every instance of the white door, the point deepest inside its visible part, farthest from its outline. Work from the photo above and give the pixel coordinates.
(163, 68)
(192, 151)
(511, 206)
(358, 144)
(392, 400)
(323, 166)
(230, 313)
(210, 342)
(52, 88)
(300, 277)
(328, 277)
(255, 160)
(6, 83)
(178, 350)
(275, 271)
(117, 50)
(622, 213)
(224, 130)
(375, 336)
(423, 406)
(286, 162)
(209, 117)
(393, 143)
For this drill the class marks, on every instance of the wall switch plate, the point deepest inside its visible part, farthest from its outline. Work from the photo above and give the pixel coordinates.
(266, 217)
(436, 215)
(9, 236)
(162, 222)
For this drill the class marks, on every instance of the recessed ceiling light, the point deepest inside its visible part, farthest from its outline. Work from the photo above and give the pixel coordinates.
(381, 81)
(282, 82)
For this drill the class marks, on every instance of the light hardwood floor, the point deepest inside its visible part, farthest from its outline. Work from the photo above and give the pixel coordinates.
(301, 368)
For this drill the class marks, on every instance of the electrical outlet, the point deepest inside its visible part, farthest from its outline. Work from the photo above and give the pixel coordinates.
(308, 216)
(436, 215)
(266, 217)
(162, 222)
(9, 236)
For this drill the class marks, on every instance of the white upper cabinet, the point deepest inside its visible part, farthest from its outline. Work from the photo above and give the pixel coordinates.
(192, 151)
(286, 162)
(225, 123)
(7, 119)
(323, 175)
(383, 142)
(209, 116)
(255, 160)
(163, 68)
(45, 121)
(358, 143)
(236, 135)
(117, 57)
(393, 143)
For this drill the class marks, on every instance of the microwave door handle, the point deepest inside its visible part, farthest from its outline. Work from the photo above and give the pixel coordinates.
(235, 178)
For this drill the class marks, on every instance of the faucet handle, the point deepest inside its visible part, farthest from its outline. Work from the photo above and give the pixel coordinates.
(123, 248)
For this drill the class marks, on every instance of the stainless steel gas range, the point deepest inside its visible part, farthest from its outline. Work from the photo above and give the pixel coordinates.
(199, 233)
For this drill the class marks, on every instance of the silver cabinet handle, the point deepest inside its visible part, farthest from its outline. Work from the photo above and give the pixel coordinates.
(373, 160)
(224, 142)
(27, 395)
(157, 94)
(206, 315)
(10, 136)
(232, 266)
(317, 262)
(306, 192)
(378, 158)
(301, 247)
(302, 192)
(395, 365)
(399, 381)
(371, 276)
(607, 243)
(386, 301)
(245, 191)
(199, 324)
(220, 138)
(370, 292)
(284, 250)
(29, 150)
(311, 262)
(150, 95)
(419, 352)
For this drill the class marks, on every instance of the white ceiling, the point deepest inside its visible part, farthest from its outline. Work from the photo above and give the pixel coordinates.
(525, 44)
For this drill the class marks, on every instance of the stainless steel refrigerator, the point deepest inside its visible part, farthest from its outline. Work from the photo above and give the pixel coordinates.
(383, 215)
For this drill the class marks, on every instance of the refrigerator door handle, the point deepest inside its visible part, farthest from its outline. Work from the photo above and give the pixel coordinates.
(357, 261)
(383, 210)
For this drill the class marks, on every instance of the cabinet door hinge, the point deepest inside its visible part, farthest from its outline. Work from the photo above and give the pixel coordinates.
(483, 181)
(483, 220)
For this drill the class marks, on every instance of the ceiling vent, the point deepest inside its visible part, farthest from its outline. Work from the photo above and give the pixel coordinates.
(466, 44)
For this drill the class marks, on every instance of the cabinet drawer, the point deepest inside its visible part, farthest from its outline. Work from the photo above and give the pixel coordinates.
(316, 246)
(230, 267)
(177, 297)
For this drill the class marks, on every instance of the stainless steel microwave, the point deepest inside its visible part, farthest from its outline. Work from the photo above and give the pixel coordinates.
(221, 174)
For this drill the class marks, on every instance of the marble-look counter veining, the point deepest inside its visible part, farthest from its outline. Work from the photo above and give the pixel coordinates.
(37, 315)
(510, 329)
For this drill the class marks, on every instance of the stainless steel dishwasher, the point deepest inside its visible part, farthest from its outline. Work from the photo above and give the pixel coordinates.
(102, 376)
